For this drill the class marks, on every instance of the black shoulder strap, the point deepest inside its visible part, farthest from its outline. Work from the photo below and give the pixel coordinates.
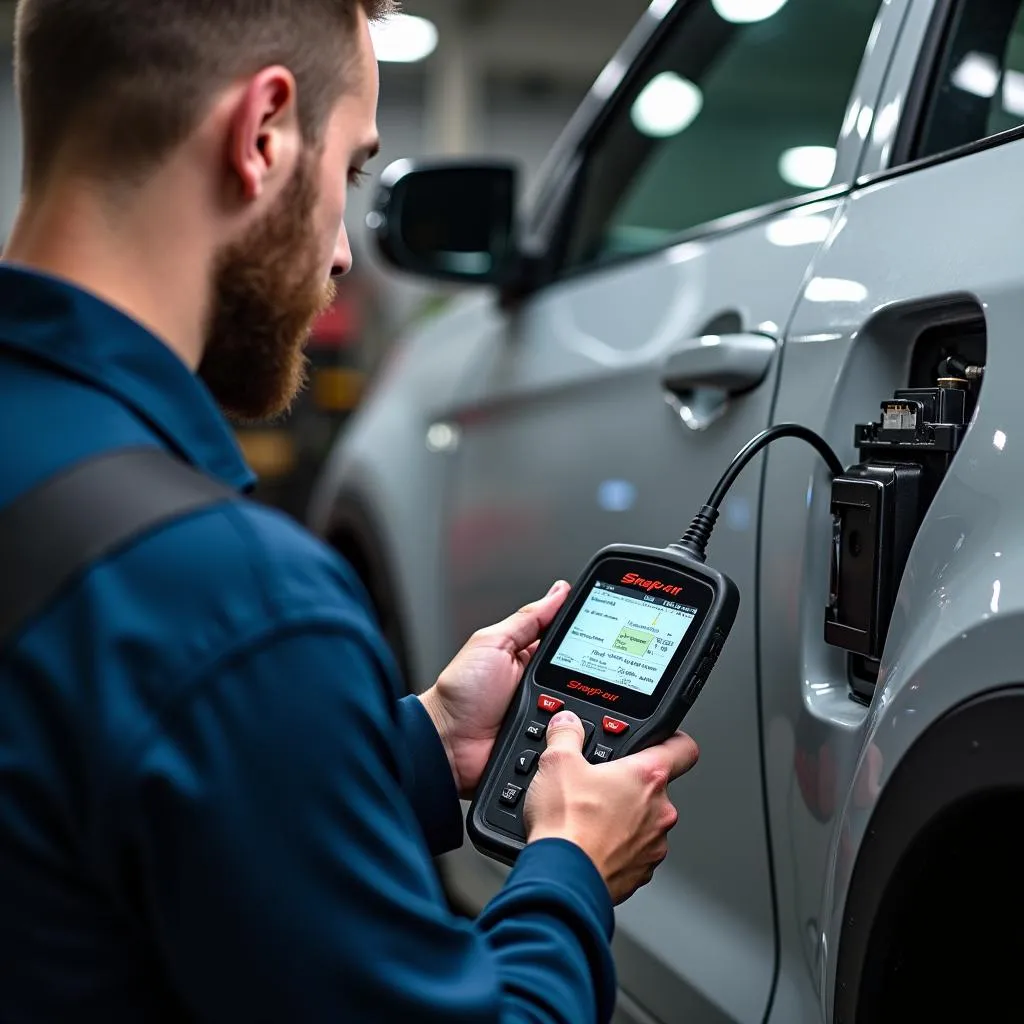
(61, 527)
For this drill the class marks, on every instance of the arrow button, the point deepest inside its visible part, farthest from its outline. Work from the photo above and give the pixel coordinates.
(525, 762)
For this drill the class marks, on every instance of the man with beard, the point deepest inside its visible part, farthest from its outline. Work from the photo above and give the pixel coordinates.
(214, 805)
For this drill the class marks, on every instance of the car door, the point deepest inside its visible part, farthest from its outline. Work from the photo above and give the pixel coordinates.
(926, 261)
(606, 405)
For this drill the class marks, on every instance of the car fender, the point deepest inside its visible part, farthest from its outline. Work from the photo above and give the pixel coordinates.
(957, 633)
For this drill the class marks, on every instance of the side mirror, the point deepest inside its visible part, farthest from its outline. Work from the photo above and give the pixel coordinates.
(449, 221)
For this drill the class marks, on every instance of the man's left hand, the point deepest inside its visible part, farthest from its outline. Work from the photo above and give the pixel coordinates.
(469, 699)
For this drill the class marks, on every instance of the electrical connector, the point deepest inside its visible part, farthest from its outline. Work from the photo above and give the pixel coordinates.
(877, 509)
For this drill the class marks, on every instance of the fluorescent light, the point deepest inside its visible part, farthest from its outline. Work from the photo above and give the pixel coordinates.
(980, 74)
(667, 105)
(403, 38)
(808, 166)
(977, 73)
(744, 11)
(1013, 93)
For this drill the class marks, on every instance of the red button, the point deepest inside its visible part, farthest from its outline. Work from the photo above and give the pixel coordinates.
(552, 704)
(614, 726)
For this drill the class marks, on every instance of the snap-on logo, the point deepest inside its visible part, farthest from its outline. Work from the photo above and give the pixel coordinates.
(638, 581)
(592, 691)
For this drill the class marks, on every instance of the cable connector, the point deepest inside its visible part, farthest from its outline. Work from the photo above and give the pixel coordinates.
(694, 542)
(953, 368)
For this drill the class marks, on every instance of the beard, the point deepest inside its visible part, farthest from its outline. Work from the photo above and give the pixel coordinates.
(267, 294)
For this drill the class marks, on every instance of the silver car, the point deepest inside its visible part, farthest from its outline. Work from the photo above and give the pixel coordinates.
(764, 211)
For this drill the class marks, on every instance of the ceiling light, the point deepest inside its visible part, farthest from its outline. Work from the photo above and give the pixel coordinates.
(808, 166)
(403, 38)
(667, 105)
(1013, 93)
(744, 11)
(977, 73)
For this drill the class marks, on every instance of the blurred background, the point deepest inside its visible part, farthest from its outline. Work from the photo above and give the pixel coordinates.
(458, 77)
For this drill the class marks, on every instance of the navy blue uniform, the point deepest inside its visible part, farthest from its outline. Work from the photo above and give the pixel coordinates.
(215, 805)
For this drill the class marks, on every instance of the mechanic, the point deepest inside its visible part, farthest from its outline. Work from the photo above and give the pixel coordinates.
(215, 804)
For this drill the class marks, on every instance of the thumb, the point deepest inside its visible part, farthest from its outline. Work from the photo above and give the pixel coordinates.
(565, 732)
(525, 626)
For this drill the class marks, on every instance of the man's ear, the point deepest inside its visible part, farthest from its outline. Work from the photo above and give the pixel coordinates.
(264, 131)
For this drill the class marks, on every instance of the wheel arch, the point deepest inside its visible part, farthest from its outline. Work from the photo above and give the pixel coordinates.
(965, 761)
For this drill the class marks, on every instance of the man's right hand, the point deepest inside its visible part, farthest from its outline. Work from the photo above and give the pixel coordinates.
(618, 813)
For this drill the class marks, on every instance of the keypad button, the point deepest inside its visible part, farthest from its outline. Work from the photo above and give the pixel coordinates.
(549, 704)
(600, 754)
(525, 762)
(536, 730)
(614, 726)
(510, 794)
(588, 732)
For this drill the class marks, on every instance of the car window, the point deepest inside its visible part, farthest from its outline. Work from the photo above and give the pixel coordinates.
(978, 90)
(740, 106)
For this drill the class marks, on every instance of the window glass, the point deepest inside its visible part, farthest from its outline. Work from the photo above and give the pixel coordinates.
(979, 88)
(740, 106)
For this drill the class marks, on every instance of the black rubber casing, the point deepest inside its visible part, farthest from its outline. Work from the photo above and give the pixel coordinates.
(497, 830)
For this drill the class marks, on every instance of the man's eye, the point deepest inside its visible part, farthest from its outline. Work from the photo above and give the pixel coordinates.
(356, 177)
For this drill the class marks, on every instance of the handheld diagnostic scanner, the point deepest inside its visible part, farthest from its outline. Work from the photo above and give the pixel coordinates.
(629, 652)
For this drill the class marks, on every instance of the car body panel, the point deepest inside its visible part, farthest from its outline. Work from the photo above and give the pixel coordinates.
(568, 443)
(421, 380)
(959, 604)
(424, 374)
(508, 388)
(914, 27)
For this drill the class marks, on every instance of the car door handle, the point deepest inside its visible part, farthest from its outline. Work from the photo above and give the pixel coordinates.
(701, 374)
(732, 363)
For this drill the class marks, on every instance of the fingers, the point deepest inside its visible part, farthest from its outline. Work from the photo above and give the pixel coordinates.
(525, 626)
(676, 756)
(526, 656)
(565, 732)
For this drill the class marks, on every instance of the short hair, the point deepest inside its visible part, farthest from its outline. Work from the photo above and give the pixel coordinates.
(121, 82)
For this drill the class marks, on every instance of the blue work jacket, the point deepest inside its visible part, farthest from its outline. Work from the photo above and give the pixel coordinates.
(215, 803)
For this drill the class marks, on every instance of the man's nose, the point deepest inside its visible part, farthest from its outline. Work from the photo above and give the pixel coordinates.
(342, 260)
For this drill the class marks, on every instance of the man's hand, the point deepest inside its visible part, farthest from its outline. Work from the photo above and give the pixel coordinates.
(618, 813)
(469, 699)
